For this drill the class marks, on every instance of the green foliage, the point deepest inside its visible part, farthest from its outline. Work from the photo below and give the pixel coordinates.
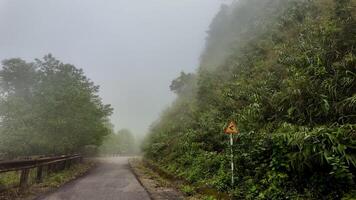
(9, 179)
(123, 142)
(285, 70)
(209, 198)
(48, 107)
(187, 190)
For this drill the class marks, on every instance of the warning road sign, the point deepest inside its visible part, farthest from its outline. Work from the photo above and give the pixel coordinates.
(231, 128)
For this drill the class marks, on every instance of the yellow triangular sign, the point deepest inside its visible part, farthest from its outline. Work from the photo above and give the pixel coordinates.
(231, 128)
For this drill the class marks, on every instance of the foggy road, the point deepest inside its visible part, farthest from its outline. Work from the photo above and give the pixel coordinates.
(112, 179)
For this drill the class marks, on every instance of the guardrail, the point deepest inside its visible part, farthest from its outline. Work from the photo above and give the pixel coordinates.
(51, 164)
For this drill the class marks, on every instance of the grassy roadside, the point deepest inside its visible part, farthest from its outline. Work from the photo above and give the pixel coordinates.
(162, 185)
(50, 182)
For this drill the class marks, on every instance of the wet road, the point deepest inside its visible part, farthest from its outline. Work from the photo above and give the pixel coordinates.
(111, 180)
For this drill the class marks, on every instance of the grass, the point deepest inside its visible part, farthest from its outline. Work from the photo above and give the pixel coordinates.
(61, 177)
(187, 190)
(162, 179)
(10, 180)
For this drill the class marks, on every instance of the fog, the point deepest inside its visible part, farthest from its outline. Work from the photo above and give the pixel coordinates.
(242, 99)
(132, 49)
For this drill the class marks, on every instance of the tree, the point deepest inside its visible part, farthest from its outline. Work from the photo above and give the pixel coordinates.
(127, 141)
(184, 85)
(122, 142)
(18, 80)
(49, 108)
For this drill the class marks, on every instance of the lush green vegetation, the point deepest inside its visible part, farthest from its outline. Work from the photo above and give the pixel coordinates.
(120, 143)
(285, 70)
(47, 107)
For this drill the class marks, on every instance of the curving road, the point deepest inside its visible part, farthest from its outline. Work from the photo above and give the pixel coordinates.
(111, 180)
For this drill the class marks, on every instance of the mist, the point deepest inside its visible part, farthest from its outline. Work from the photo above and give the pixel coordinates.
(238, 99)
(131, 49)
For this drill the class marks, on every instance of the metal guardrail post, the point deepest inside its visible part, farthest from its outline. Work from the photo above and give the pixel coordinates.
(64, 163)
(69, 164)
(39, 174)
(24, 179)
(49, 169)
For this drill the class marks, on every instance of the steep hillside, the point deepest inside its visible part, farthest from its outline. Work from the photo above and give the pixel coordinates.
(285, 70)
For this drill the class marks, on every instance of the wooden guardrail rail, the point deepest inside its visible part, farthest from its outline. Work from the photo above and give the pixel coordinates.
(50, 164)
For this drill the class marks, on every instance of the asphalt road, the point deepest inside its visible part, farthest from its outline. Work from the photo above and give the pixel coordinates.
(111, 180)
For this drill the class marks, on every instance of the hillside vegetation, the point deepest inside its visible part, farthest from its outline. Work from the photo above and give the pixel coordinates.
(285, 70)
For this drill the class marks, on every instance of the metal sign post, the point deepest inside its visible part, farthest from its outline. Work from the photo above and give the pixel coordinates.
(232, 159)
(231, 130)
